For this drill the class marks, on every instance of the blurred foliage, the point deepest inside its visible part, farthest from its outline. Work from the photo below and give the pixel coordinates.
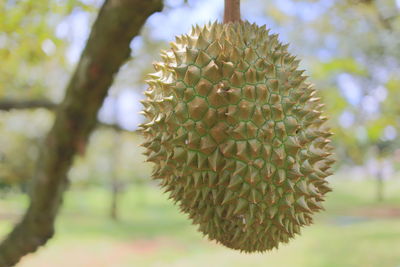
(31, 53)
(21, 134)
(351, 49)
(32, 66)
(98, 163)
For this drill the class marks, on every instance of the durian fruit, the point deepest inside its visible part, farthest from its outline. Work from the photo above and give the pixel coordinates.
(237, 135)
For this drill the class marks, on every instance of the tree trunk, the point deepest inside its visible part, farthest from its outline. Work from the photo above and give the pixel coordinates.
(114, 201)
(379, 186)
(116, 185)
(106, 50)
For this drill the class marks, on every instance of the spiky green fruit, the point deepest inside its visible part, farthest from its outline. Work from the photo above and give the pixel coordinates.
(237, 135)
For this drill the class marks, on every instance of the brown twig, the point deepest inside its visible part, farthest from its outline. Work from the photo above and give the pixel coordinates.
(232, 11)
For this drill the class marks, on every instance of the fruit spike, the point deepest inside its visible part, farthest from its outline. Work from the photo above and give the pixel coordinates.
(237, 136)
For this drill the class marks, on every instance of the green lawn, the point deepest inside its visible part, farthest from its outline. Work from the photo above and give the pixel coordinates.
(353, 231)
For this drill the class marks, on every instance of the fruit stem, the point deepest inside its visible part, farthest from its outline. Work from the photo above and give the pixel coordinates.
(232, 11)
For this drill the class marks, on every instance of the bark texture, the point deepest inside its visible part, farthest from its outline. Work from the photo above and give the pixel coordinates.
(106, 50)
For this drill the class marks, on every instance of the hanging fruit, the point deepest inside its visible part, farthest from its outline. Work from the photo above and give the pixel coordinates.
(237, 135)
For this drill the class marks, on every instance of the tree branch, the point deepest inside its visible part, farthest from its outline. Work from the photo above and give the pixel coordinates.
(9, 104)
(106, 50)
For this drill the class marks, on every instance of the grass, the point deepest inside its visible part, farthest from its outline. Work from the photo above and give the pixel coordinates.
(151, 232)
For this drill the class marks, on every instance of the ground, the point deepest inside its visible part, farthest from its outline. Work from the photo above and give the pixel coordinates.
(353, 231)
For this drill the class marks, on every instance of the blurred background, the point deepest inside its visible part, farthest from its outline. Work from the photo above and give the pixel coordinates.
(114, 215)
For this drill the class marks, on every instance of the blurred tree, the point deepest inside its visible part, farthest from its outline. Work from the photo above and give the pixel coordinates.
(106, 50)
(19, 145)
(350, 47)
(352, 51)
(31, 53)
